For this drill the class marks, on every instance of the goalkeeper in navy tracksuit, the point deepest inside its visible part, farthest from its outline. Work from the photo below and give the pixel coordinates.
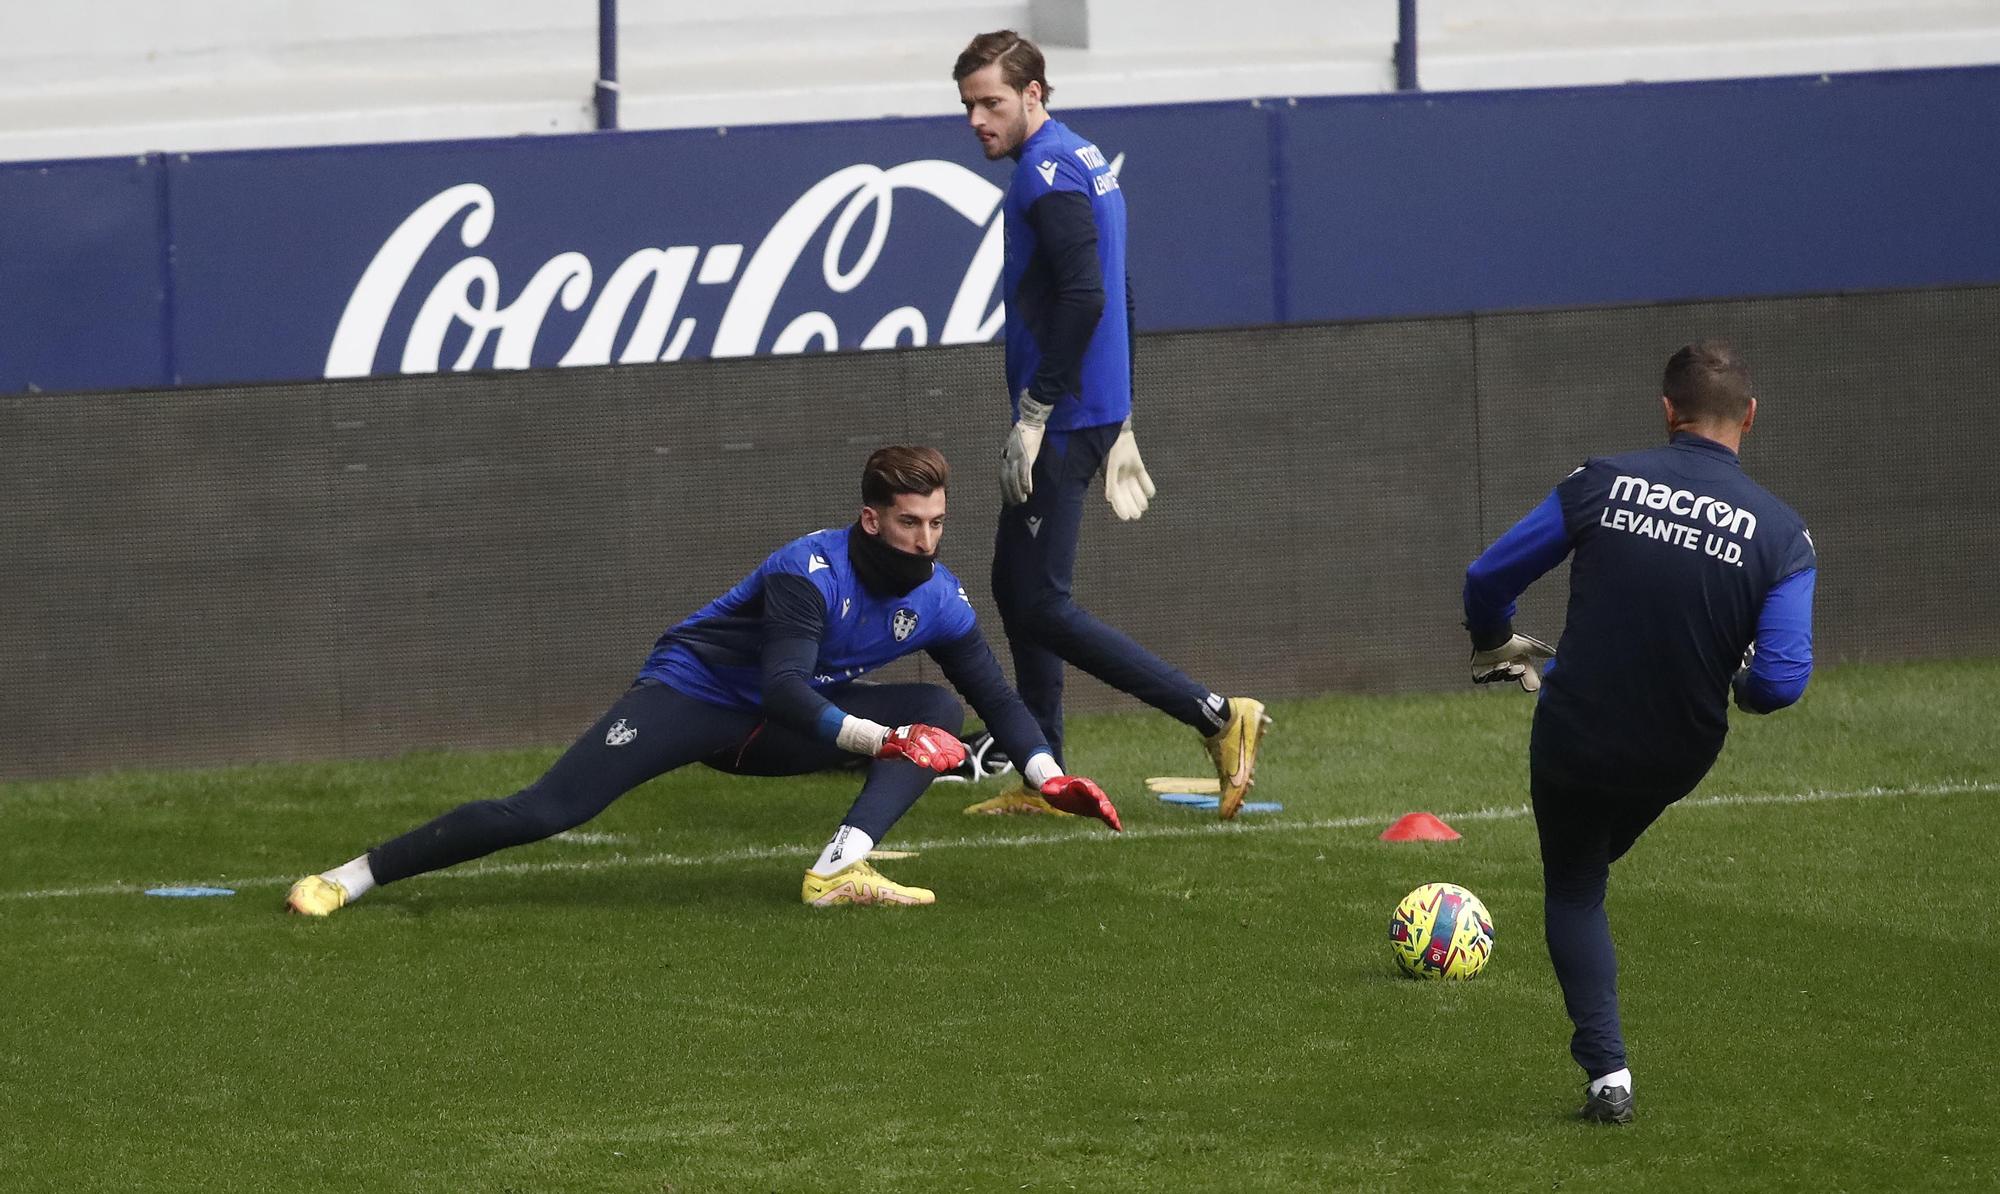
(1069, 374)
(761, 681)
(1682, 565)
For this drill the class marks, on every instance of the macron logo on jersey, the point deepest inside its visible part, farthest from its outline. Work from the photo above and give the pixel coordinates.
(1697, 508)
(1660, 496)
(818, 563)
(1048, 172)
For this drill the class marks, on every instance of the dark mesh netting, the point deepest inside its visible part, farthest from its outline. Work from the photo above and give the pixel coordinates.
(355, 568)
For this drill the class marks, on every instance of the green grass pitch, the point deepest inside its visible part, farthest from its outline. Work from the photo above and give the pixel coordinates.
(1807, 974)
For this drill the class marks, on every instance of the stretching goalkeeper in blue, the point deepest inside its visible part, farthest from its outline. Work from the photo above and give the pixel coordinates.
(761, 681)
(1069, 372)
(1681, 564)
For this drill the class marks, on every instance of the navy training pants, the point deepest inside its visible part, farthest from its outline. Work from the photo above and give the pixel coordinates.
(1034, 559)
(1584, 828)
(654, 729)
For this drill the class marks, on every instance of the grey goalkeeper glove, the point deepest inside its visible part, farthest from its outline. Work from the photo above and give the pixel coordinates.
(1017, 454)
(1515, 660)
(1126, 485)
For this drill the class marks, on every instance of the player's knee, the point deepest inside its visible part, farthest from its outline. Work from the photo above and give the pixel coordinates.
(936, 706)
(1574, 886)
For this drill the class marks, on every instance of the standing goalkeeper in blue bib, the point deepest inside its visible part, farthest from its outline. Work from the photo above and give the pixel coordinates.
(762, 681)
(1069, 373)
(1682, 564)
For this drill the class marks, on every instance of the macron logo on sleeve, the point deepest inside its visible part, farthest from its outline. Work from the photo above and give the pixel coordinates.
(818, 563)
(1048, 172)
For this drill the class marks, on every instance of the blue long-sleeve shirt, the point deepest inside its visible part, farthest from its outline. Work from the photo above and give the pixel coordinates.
(790, 637)
(1681, 563)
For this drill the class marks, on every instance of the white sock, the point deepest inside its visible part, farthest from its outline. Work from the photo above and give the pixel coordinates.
(1615, 1078)
(356, 876)
(1039, 770)
(847, 847)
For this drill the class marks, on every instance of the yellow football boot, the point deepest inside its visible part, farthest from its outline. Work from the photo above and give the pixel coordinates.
(1233, 750)
(316, 895)
(1019, 802)
(859, 883)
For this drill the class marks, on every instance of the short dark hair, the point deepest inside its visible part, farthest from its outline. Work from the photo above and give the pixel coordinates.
(1707, 382)
(900, 468)
(1020, 60)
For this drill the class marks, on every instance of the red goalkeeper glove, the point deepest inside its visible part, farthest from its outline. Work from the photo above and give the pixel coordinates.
(926, 746)
(1075, 794)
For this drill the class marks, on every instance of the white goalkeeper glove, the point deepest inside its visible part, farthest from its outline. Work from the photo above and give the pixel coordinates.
(1515, 660)
(1024, 443)
(1126, 485)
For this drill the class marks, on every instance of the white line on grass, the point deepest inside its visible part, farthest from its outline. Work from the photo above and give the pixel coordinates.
(1203, 829)
(584, 837)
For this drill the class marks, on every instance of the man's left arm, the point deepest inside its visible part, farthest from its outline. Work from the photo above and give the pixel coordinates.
(1127, 484)
(1066, 238)
(1131, 336)
(1782, 659)
(968, 663)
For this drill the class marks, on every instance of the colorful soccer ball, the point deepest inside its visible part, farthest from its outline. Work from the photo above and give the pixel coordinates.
(1441, 930)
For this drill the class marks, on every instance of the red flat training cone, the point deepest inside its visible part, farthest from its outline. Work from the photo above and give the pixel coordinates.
(1419, 827)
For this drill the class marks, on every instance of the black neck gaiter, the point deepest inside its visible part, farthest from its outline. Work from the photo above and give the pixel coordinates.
(885, 571)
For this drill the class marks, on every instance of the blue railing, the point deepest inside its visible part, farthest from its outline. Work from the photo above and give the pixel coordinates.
(606, 91)
(1406, 45)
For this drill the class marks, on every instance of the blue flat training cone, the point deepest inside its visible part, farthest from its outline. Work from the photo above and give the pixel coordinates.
(1419, 827)
(1204, 801)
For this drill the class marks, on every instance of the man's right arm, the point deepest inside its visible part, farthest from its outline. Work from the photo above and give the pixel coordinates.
(1504, 571)
(794, 622)
(1066, 237)
(1066, 241)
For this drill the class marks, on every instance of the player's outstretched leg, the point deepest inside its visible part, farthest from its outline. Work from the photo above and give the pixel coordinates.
(651, 730)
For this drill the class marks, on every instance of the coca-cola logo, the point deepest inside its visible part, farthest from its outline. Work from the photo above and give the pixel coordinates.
(464, 305)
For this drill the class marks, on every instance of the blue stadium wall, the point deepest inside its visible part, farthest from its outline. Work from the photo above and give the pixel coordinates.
(271, 563)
